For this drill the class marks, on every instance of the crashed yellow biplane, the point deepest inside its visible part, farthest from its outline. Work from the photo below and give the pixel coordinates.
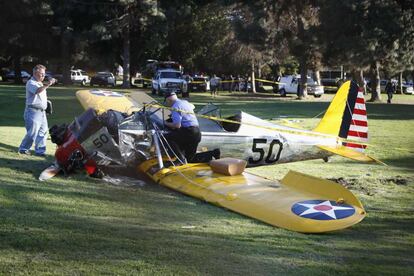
(125, 131)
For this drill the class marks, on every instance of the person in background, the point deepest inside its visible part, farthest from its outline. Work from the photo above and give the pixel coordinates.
(246, 85)
(185, 134)
(214, 85)
(119, 71)
(188, 79)
(231, 83)
(239, 83)
(390, 90)
(35, 113)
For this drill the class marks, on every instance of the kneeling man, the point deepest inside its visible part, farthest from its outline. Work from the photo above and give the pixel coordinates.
(185, 135)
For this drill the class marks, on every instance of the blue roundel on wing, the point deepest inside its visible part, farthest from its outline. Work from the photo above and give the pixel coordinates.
(106, 93)
(322, 210)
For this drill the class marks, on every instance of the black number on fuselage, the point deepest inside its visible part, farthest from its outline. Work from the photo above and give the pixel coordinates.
(269, 160)
(102, 139)
(259, 150)
(277, 155)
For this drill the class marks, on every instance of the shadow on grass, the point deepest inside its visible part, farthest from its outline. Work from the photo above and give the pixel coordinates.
(99, 237)
(106, 226)
(390, 111)
(9, 148)
(27, 164)
(111, 227)
(402, 162)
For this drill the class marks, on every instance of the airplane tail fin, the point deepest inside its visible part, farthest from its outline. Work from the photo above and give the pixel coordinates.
(346, 117)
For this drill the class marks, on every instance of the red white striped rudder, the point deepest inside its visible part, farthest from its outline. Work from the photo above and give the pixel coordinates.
(355, 122)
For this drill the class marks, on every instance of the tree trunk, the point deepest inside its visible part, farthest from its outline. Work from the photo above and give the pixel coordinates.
(358, 75)
(17, 69)
(126, 55)
(375, 84)
(65, 40)
(259, 70)
(253, 79)
(318, 76)
(400, 81)
(303, 87)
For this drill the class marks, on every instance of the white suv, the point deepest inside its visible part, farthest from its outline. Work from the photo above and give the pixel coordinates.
(289, 85)
(168, 80)
(79, 76)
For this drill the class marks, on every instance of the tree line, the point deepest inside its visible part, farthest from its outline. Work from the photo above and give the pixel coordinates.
(367, 37)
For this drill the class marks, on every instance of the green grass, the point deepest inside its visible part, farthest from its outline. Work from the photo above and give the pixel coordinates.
(77, 225)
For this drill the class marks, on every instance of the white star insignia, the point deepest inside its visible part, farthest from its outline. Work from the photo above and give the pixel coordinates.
(324, 207)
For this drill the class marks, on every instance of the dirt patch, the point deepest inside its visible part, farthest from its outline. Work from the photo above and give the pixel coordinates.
(347, 183)
(368, 187)
(353, 184)
(397, 180)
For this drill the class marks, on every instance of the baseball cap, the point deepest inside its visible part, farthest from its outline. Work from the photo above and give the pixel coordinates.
(169, 94)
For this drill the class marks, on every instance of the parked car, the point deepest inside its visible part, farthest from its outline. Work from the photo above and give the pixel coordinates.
(153, 66)
(11, 75)
(333, 78)
(167, 80)
(199, 83)
(408, 88)
(79, 76)
(103, 79)
(58, 77)
(290, 85)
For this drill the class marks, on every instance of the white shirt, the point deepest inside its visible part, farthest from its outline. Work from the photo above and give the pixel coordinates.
(33, 99)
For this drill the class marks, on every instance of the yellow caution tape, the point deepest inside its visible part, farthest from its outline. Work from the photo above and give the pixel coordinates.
(312, 134)
(236, 81)
(275, 82)
(144, 79)
(224, 81)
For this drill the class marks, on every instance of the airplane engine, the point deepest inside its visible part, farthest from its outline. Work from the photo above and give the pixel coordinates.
(88, 142)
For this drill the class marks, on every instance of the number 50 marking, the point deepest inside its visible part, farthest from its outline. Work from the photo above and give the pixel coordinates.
(256, 148)
(100, 141)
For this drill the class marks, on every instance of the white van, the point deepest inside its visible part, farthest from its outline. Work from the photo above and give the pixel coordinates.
(289, 85)
(168, 80)
(79, 76)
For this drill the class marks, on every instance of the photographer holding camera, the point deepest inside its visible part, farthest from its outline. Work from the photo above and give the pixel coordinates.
(35, 113)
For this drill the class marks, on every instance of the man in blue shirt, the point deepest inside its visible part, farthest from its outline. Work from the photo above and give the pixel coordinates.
(185, 135)
(34, 114)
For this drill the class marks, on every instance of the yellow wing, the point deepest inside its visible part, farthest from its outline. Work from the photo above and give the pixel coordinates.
(103, 100)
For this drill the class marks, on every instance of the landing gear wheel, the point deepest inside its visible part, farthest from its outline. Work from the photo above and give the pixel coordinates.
(326, 159)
